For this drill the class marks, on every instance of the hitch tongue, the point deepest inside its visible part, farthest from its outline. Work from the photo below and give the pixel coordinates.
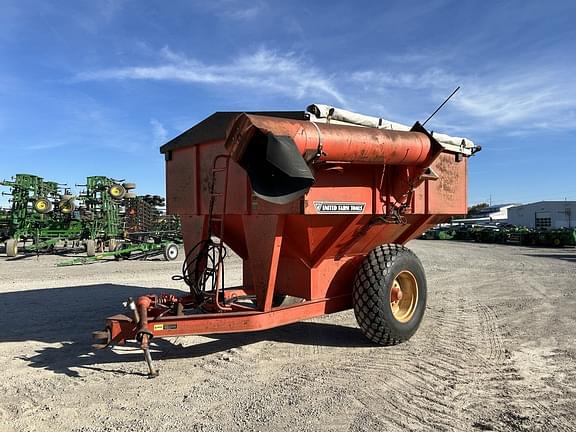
(152, 371)
(140, 310)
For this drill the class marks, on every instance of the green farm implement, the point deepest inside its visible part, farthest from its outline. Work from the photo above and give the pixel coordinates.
(101, 214)
(146, 233)
(130, 250)
(106, 216)
(39, 212)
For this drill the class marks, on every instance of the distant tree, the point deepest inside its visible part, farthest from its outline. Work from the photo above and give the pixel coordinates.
(475, 208)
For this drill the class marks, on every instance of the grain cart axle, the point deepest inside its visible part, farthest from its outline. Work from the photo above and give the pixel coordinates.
(318, 209)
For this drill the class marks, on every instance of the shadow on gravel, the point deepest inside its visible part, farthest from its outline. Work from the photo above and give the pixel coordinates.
(563, 257)
(67, 317)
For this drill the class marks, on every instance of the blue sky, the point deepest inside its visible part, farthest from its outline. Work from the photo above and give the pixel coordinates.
(95, 87)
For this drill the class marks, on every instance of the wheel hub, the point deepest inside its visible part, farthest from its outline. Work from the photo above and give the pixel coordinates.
(404, 296)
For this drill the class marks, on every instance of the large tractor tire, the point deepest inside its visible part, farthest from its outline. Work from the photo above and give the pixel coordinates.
(67, 206)
(170, 252)
(117, 191)
(11, 247)
(43, 206)
(90, 248)
(389, 294)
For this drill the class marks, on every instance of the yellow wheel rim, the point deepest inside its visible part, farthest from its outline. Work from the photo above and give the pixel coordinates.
(404, 296)
(41, 205)
(115, 191)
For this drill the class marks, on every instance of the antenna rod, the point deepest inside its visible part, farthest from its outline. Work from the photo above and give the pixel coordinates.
(443, 103)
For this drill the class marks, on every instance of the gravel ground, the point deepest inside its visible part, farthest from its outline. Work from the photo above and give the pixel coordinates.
(496, 351)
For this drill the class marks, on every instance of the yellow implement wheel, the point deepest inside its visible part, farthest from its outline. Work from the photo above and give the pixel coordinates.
(67, 207)
(42, 205)
(404, 296)
(117, 191)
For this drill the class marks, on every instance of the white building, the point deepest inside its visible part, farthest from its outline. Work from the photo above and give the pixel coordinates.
(544, 214)
(495, 213)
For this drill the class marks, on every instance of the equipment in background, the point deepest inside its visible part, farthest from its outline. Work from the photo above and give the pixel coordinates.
(39, 213)
(106, 217)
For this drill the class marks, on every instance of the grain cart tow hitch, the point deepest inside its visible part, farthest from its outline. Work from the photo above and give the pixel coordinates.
(318, 205)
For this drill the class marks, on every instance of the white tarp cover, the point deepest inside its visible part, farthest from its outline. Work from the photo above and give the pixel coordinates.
(338, 114)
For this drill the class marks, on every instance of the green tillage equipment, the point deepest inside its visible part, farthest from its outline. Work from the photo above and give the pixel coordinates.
(519, 235)
(102, 213)
(31, 215)
(439, 234)
(553, 238)
(147, 232)
(4, 224)
(130, 251)
(101, 216)
(511, 235)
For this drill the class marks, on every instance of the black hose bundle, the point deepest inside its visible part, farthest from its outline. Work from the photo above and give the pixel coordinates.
(201, 267)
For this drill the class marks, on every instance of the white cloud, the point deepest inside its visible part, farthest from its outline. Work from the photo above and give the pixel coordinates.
(159, 132)
(236, 10)
(431, 78)
(264, 70)
(45, 146)
(530, 99)
(526, 98)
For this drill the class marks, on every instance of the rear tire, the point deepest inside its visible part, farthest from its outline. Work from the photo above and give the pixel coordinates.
(67, 206)
(43, 206)
(90, 248)
(170, 252)
(383, 317)
(117, 191)
(11, 247)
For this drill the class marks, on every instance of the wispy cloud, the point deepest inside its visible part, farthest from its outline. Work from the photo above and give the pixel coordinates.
(159, 132)
(265, 70)
(518, 99)
(45, 146)
(532, 99)
(236, 10)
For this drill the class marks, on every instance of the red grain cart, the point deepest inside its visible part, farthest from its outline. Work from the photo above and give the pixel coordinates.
(317, 208)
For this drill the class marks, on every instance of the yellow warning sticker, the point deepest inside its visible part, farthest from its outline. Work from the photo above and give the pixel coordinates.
(158, 326)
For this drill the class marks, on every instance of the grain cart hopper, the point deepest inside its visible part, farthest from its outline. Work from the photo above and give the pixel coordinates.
(318, 206)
